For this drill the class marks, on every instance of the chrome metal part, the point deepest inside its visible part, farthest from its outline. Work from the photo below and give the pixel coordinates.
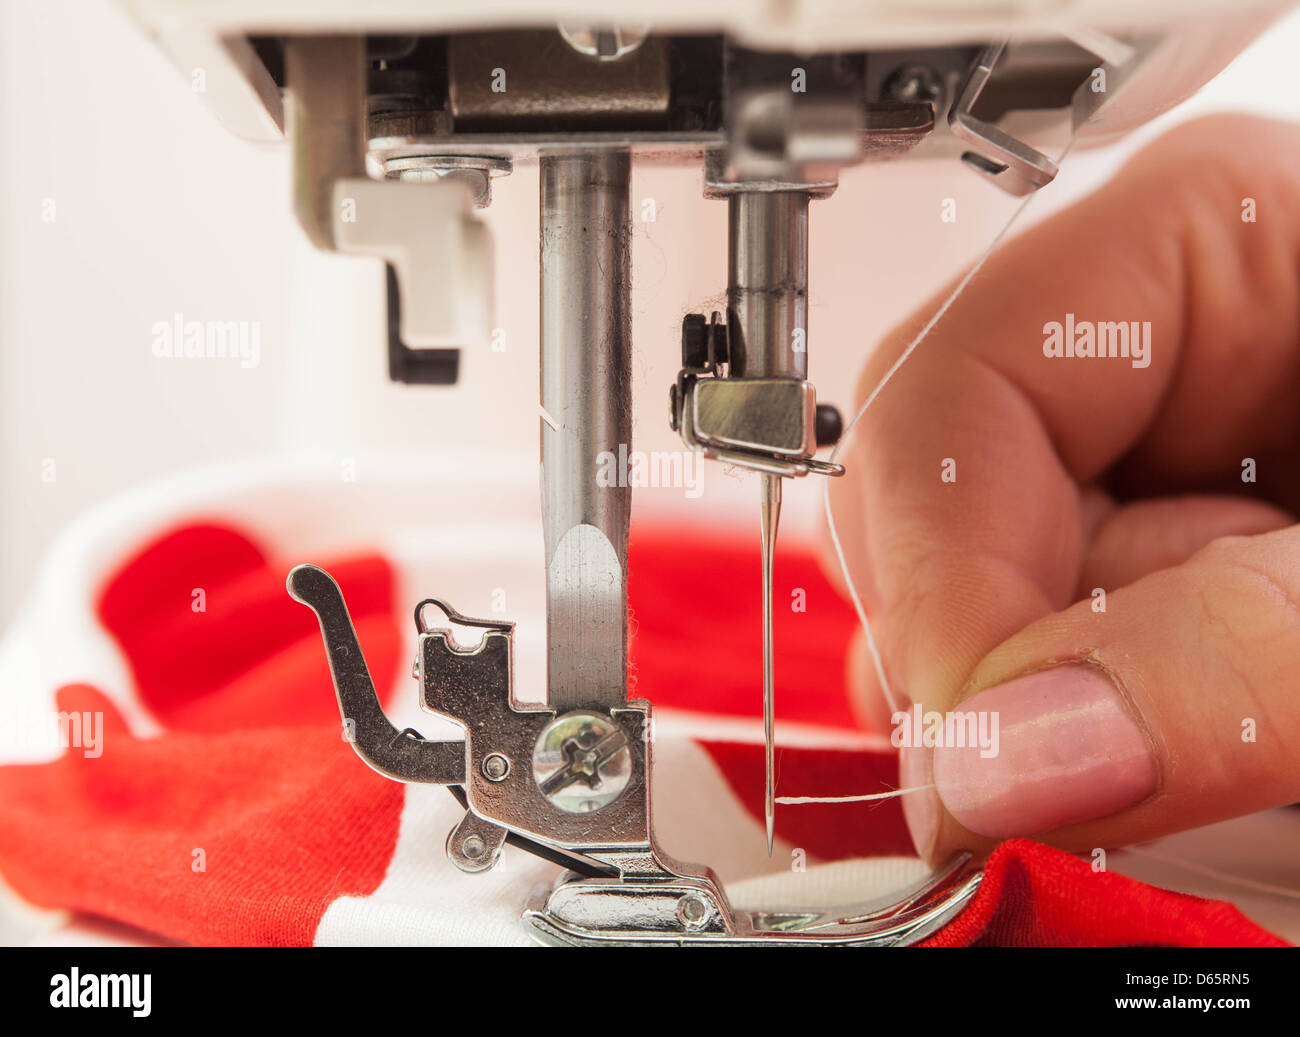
(717, 182)
(586, 397)
(629, 891)
(475, 845)
(767, 328)
(765, 415)
(473, 687)
(496, 767)
(777, 134)
(400, 755)
(606, 44)
(667, 146)
(769, 523)
(767, 284)
(1010, 163)
(599, 912)
(749, 402)
(743, 395)
(476, 171)
(581, 762)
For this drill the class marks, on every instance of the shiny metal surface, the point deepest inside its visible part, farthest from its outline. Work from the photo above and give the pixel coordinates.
(767, 334)
(581, 762)
(587, 392)
(769, 523)
(758, 410)
(757, 456)
(628, 892)
(685, 912)
(777, 134)
(400, 755)
(767, 415)
(1010, 163)
(474, 845)
(606, 44)
(473, 686)
(652, 146)
(767, 284)
(476, 171)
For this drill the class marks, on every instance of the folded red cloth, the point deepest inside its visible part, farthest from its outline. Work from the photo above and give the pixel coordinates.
(249, 816)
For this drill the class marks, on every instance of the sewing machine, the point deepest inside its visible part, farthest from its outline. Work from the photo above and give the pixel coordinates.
(404, 117)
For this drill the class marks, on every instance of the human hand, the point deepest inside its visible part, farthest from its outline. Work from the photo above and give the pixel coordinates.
(1172, 698)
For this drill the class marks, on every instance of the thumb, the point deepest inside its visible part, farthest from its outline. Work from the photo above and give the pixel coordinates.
(1176, 706)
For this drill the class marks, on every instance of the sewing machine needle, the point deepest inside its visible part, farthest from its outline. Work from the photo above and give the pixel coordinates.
(770, 518)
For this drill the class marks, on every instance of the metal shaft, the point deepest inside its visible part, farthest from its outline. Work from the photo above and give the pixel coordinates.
(586, 332)
(767, 327)
(767, 284)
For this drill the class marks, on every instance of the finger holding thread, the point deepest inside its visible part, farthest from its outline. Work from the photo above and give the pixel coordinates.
(1176, 707)
(973, 491)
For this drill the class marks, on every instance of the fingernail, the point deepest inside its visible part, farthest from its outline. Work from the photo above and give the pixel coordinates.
(1067, 751)
(921, 809)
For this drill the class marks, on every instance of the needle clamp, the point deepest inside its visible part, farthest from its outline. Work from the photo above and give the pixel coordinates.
(768, 424)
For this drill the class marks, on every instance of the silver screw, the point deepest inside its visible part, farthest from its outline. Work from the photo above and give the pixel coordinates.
(473, 847)
(692, 911)
(602, 43)
(582, 762)
(495, 767)
(914, 83)
(475, 171)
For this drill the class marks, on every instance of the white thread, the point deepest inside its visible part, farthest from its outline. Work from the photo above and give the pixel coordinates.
(791, 800)
(1204, 870)
(876, 659)
(1214, 873)
(871, 398)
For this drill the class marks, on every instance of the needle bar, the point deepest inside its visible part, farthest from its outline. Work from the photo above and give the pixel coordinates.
(767, 328)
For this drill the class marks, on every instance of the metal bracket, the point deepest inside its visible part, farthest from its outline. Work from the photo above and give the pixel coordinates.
(517, 771)
(400, 755)
(764, 424)
(599, 912)
(1010, 163)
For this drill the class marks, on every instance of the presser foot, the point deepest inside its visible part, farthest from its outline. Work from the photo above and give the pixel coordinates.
(573, 788)
(592, 912)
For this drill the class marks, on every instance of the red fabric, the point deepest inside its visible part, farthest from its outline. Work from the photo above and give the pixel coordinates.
(284, 819)
(1035, 896)
(832, 831)
(253, 772)
(688, 599)
(252, 657)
